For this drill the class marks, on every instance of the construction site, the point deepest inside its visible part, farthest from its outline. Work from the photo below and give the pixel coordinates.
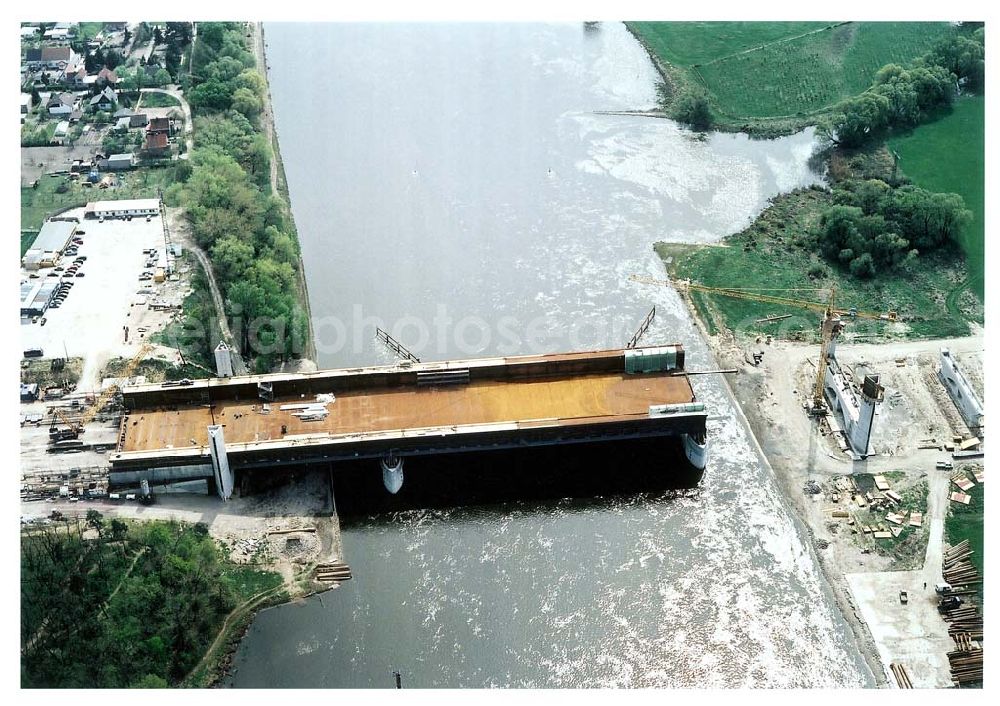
(877, 445)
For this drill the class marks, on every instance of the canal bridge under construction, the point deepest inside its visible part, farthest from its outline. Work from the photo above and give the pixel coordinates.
(185, 430)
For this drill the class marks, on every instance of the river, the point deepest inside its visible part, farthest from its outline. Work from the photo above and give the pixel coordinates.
(469, 188)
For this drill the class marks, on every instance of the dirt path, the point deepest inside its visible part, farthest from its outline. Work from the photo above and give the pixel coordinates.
(238, 366)
(267, 115)
(237, 613)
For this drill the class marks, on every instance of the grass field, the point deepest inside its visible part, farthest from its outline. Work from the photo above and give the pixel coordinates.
(966, 522)
(39, 203)
(691, 43)
(949, 155)
(769, 69)
(770, 253)
(89, 30)
(158, 100)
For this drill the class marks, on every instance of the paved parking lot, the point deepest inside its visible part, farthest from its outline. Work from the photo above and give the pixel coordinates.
(90, 323)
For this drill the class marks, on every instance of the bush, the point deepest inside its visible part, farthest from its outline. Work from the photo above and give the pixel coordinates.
(692, 108)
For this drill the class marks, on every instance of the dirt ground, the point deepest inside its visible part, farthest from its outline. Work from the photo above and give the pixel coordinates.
(36, 161)
(253, 529)
(915, 411)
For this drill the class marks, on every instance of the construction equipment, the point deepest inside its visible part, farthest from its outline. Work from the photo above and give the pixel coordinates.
(75, 428)
(830, 327)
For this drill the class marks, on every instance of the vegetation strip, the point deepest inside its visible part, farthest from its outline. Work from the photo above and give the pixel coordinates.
(235, 216)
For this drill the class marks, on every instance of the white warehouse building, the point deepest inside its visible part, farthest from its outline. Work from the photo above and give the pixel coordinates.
(122, 208)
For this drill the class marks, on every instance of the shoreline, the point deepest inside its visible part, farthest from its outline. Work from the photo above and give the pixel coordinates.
(860, 631)
(675, 78)
(278, 179)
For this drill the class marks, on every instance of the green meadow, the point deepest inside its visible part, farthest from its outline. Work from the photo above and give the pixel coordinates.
(784, 69)
(949, 155)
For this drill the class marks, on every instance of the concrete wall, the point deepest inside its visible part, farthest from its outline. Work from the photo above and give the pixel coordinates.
(961, 392)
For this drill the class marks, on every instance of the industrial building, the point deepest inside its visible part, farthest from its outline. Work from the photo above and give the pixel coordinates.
(122, 208)
(119, 161)
(36, 297)
(52, 239)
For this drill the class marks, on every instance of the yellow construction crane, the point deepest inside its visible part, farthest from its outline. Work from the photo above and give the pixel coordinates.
(77, 427)
(830, 326)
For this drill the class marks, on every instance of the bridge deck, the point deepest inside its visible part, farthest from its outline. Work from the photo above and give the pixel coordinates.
(608, 395)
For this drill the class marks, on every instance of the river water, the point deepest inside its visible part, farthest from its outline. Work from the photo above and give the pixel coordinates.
(468, 188)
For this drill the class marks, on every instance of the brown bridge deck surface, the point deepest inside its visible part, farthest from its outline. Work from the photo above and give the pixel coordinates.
(483, 402)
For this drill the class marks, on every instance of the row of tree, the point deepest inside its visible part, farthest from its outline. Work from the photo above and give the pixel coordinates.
(874, 227)
(225, 190)
(903, 97)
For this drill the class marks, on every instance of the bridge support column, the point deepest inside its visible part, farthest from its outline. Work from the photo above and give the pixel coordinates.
(392, 472)
(220, 462)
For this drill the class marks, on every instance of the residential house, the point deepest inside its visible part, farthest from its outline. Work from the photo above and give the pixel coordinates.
(75, 116)
(29, 32)
(49, 57)
(61, 104)
(159, 125)
(75, 76)
(61, 32)
(157, 143)
(106, 100)
(107, 77)
(57, 34)
(62, 129)
(138, 120)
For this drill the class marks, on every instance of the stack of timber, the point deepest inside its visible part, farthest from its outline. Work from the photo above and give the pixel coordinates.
(333, 573)
(964, 623)
(902, 678)
(966, 666)
(956, 568)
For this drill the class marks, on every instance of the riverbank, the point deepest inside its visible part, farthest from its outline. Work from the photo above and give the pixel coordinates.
(279, 185)
(769, 79)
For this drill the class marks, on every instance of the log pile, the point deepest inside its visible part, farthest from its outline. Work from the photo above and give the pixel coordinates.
(902, 678)
(965, 620)
(956, 568)
(333, 573)
(966, 666)
(965, 623)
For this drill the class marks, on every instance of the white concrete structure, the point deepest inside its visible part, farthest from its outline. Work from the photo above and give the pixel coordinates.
(223, 360)
(124, 207)
(857, 414)
(961, 392)
(220, 462)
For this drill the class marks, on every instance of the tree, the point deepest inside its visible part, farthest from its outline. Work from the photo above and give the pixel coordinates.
(863, 266)
(232, 257)
(96, 520)
(157, 36)
(150, 681)
(161, 78)
(860, 118)
(692, 107)
(112, 59)
(246, 103)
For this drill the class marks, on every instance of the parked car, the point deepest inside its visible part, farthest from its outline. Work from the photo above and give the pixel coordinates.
(79, 274)
(58, 269)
